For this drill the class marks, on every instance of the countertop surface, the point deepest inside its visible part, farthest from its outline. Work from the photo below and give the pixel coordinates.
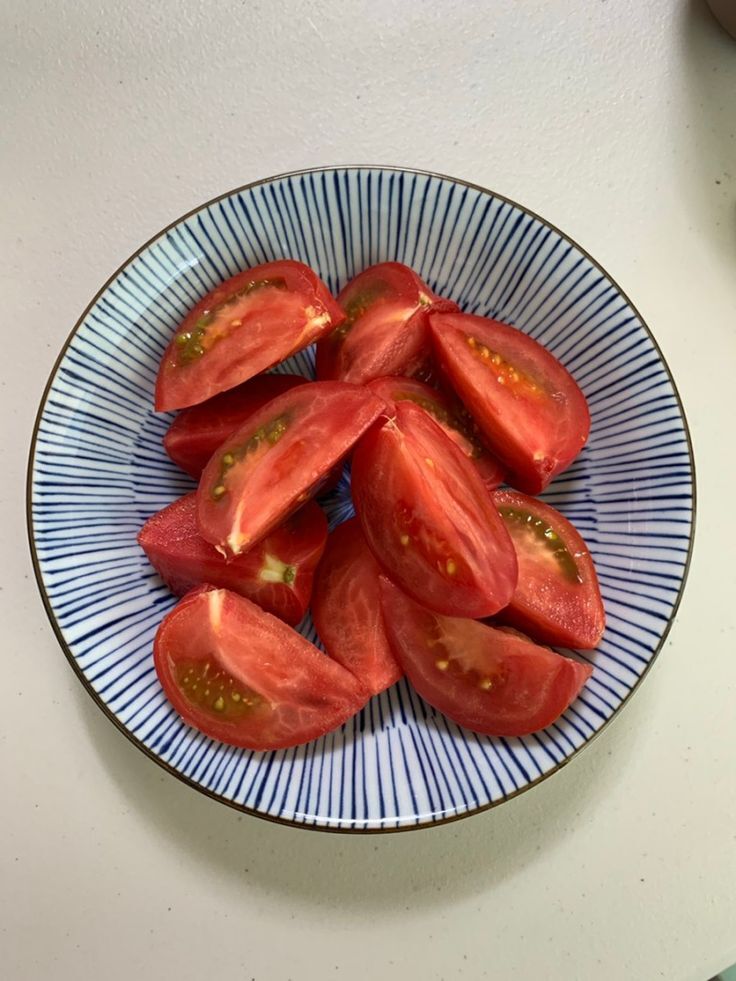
(616, 121)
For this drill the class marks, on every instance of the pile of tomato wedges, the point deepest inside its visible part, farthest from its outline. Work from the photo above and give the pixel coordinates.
(443, 575)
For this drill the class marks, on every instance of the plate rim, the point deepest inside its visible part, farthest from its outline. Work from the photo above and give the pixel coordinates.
(241, 808)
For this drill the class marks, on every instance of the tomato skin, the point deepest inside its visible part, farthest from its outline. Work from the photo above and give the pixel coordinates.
(288, 692)
(278, 459)
(197, 432)
(428, 518)
(557, 599)
(183, 559)
(247, 324)
(385, 330)
(346, 609)
(531, 412)
(448, 415)
(486, 679)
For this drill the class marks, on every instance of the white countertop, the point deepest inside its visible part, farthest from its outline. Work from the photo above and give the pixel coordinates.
(615, 120)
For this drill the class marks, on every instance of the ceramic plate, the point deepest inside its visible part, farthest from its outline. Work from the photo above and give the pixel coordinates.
(97, 471)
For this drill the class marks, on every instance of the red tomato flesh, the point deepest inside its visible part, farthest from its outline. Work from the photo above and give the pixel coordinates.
(428, 518)
(197, 432)
(244, 677)
(385, 326)
(530, 411)
(486, 679)
(277, 573)
(278, 459)
(247, 324)
(557, 599)
(346, 608)
(449, 416)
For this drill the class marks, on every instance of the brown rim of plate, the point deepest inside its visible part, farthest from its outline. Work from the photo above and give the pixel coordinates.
(114, 719)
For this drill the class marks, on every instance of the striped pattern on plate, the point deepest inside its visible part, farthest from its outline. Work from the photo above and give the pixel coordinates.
(98, 471)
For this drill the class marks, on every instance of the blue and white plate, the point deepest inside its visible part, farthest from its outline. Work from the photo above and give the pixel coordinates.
(98, 470)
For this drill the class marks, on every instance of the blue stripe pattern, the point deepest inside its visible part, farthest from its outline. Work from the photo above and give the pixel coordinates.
(99, 471)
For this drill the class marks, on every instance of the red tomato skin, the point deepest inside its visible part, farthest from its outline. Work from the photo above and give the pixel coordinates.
(299, 694)
(183, 559)
(448, 415)
(548, 603)
(429, 519)
(346, 609)
(386, 335)
(490, 680)
(197, 432)
(246, 335)
(321, 422)
(535, 425)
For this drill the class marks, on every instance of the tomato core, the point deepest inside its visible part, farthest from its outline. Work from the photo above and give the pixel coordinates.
(542, 533)
(214, 690)
(196, 342)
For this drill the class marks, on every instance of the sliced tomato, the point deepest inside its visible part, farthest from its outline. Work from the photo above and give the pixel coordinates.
(277, 573)
(557, 599)
(244, 677)
(449, 415)
(197, 432)
(385, 326)
(530, 411)
(429, 519)
(279, 459)
(490, 680)
(346, 608)
(247, 324)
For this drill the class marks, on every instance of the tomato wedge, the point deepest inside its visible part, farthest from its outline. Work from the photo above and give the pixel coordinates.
(278, 459)
(197, 432)
(346, 608)
(244, 677)
(487, 679)
(449, 416)
(247, 324)
(429, 519)
(277, 573)
(557, 599)
(530, 411)
(385, 326)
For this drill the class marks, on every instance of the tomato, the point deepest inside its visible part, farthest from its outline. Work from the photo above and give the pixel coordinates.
(277, 573)
(247, 324)
(197, 432)
(557, 599)
(244, 677)
(385, 326)
(490, 680)
(530, 411)
(429, 519)
(346, 608)
(449, 416)
(278, 459)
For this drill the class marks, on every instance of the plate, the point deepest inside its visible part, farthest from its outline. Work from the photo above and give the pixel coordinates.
(97, 470)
